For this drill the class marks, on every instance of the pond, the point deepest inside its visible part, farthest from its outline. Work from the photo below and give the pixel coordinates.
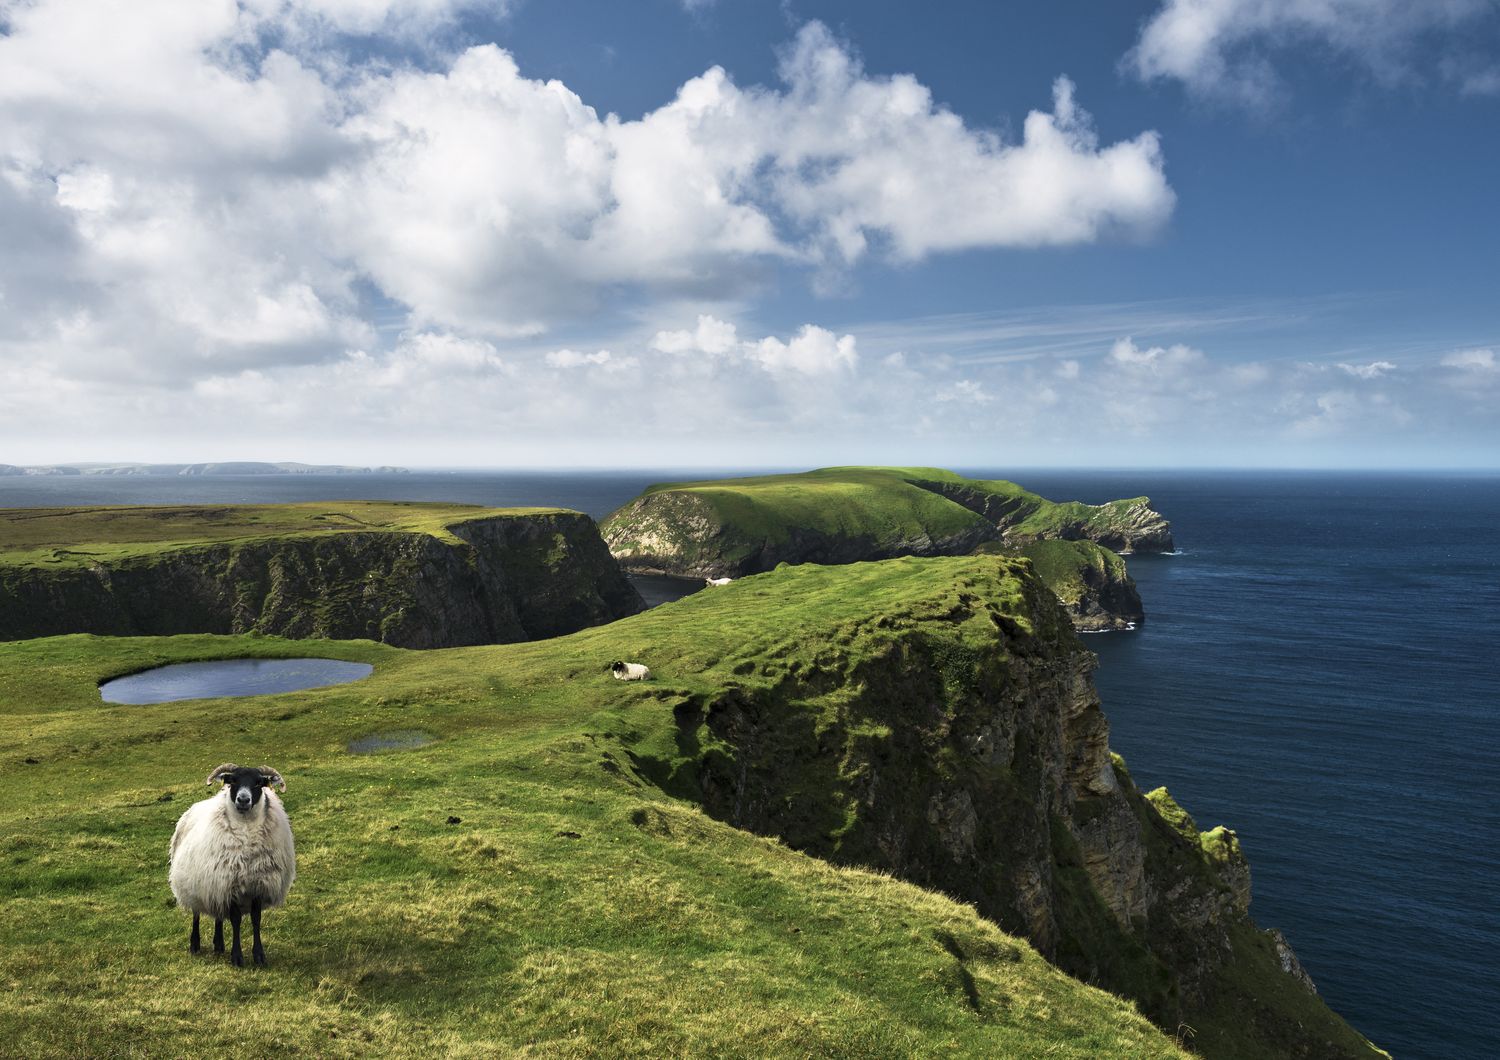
(230, 677)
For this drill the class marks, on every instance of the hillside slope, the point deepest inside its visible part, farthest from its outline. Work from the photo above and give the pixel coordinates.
(542, 880)
(734, 527)
(414, 575)
(841, 515)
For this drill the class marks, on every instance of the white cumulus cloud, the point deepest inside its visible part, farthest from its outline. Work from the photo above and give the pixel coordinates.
(1227, 48)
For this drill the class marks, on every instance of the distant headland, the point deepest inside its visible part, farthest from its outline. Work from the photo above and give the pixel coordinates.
(231, 467)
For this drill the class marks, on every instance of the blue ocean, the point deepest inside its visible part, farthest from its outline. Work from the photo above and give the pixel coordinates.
(1318, 670)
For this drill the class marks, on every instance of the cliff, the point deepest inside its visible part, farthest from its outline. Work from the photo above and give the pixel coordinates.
(736, 527)
(435, 576)
(943, 726)
(1089, 580)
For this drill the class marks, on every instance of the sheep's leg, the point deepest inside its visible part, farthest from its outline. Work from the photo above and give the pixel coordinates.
(218, 934)
(236, 958)
(259, 951)
(193, 944)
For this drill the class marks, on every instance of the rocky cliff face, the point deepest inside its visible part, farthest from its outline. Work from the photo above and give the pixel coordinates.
(505, 579)
(1120, 526)
(960, 745)
(1090, 581)
(679, 532)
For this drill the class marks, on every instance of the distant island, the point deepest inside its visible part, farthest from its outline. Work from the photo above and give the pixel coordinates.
(230, 467)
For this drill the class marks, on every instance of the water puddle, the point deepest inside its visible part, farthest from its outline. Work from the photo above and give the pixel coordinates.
(393, 740)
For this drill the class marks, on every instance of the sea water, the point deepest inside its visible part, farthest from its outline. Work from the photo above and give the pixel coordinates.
(1318, 670)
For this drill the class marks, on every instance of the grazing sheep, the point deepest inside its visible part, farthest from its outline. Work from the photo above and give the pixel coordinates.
(718, 581)
(625, 671)
(233, 853)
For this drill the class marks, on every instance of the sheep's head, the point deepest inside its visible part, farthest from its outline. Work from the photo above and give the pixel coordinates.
(617, 667)
(245, 783)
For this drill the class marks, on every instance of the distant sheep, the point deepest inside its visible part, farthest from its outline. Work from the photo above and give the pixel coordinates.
(232, 853)
(718, 581)
(625, 671)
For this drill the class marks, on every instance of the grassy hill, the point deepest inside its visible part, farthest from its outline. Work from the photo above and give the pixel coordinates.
(524, 885)
(414, 575)
(60, 538)
(507, 890)
(845, 514)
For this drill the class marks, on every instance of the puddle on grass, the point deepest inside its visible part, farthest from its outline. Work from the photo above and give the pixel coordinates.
(230, 677)
(392, 740)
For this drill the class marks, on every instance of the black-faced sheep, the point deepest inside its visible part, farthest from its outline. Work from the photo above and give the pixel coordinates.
(232, 854)
(625, 671)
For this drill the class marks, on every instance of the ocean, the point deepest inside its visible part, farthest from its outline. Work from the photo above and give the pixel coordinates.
(1318, 670)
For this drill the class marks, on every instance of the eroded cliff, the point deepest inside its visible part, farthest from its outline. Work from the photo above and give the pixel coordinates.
(954, 738)
(481, 580)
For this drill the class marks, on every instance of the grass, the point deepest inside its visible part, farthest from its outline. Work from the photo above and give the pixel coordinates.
(516, 888)
(888, 509)
(62, 538)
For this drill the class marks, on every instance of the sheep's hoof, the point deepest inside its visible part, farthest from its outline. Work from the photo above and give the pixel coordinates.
(237, 959)
(193, 946)
(260, 957)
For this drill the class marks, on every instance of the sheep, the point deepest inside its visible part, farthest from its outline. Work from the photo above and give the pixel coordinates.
(625, 671)
(718, 581)
(233, 852)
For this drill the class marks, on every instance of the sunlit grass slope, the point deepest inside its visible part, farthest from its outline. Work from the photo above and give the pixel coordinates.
(842, 514)
(63, 537)
(513, 888)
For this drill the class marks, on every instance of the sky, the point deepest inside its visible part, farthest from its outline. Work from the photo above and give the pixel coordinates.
(531, 233)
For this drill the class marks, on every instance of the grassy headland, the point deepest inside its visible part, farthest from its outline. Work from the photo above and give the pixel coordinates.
(53, 538)
(844, 514)
(543, 878)
(415, 575)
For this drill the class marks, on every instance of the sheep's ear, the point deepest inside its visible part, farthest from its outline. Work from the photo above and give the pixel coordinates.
(273, 778)
(226, 768)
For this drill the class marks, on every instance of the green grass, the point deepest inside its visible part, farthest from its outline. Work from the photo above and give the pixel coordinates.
(572, 909)
(888, 509)
(60, 538)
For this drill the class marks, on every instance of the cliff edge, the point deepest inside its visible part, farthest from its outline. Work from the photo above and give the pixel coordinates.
(735, 527)
(416, 576)
(937, 719)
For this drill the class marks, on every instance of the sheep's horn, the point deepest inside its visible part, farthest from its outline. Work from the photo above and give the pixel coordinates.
(273, 777)
(227, 767)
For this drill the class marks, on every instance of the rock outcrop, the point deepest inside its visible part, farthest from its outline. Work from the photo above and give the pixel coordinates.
(1090, 581)
(958, 743)
(500, 579)
(736, 527)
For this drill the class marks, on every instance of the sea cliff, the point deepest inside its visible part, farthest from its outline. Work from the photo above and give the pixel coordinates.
(953, 736)
(734, 527)
(471, 577)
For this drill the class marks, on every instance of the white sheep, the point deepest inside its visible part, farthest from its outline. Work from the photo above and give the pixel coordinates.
(718, 581)
(625, 671)
(233, 853)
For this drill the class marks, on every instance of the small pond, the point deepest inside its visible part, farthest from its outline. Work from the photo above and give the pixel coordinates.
(658, 589)
(230, 677)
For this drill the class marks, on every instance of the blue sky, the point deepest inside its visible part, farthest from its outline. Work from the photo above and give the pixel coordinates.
(431, 232)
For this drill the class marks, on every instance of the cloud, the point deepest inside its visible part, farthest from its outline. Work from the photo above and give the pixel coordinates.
(225, 186)
(1225, 48)
(812, 351)
(1477, 361)
(1373, 370)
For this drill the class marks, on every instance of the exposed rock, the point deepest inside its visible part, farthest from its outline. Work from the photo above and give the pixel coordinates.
(509, 578)
(1289, 962)
(977, 763)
